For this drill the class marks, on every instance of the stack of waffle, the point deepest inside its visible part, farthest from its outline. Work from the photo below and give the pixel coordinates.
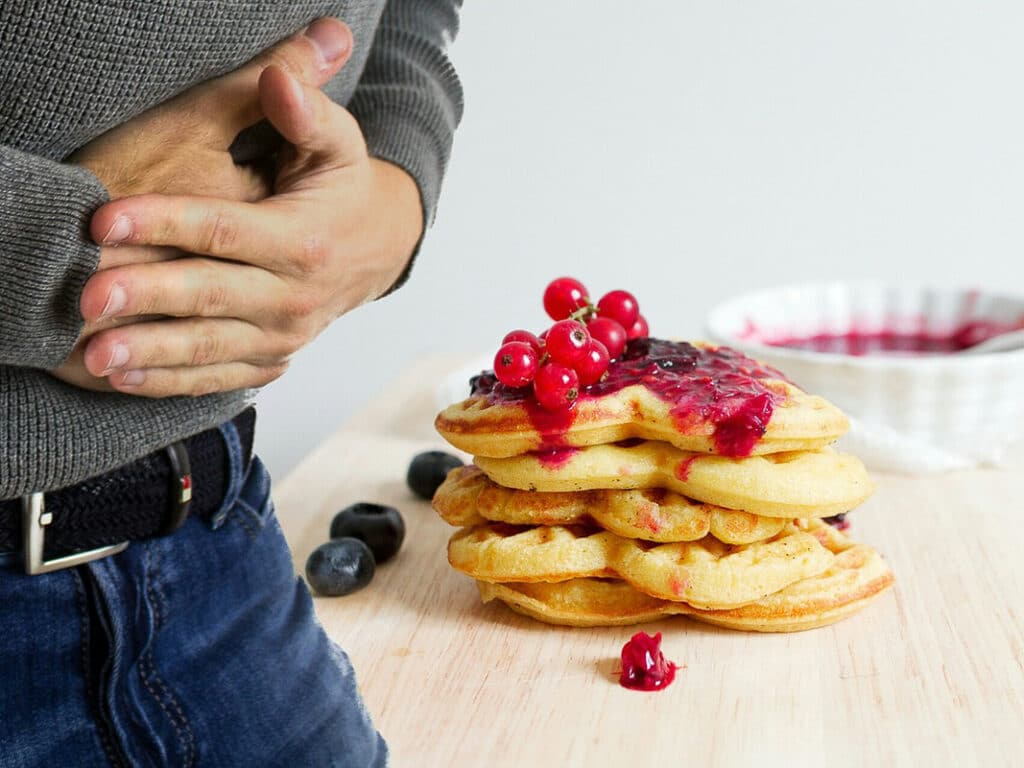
(690, 481)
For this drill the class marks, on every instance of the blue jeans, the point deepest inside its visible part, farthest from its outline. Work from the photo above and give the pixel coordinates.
(197, 649)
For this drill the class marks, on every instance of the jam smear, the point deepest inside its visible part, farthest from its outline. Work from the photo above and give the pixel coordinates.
(683, 470)
(556, 458)
(644, 667)
(719, 386)
(892, 342)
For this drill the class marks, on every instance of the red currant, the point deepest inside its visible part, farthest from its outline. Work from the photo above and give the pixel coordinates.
(620, 306)
(564, 296)
(515, 365)
(594, 364)
(526, 337)
(610, 333)
(556, 386)
(567, 342)
(639, 329)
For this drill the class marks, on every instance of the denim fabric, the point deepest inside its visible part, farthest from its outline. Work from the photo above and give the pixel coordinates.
(197, 649)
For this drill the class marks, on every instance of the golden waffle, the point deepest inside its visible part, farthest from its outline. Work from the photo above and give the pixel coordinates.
(468, 497)
(856, 576)
(789, 485)
(705, 573)
(700, 398)
(478, 426)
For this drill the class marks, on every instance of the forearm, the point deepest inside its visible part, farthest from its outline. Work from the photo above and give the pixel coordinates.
(45, 256)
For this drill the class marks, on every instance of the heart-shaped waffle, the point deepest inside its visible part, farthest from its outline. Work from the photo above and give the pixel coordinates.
(790, 485)
(856, 576)
(698, 398)
(705, 573)
(468, 497)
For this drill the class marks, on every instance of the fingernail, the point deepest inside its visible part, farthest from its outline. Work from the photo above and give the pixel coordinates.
(119, 231)
(119, 355)
(116, 301)
(133, 378)
(328, 40)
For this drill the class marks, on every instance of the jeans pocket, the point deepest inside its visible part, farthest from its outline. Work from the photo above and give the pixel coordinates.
(253, 505)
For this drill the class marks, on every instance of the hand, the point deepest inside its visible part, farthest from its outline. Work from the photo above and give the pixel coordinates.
(181, 147)
(268, 276)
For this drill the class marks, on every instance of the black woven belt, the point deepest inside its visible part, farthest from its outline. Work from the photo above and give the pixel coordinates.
(145, 498)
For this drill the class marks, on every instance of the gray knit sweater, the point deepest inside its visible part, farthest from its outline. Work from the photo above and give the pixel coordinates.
(75, 68)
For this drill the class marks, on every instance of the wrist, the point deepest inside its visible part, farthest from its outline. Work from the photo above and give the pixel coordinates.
(402, 207)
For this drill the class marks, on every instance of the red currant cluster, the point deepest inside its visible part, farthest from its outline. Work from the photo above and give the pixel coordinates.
(576, 350)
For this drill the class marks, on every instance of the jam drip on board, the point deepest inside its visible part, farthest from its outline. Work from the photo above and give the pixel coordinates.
(644, 667)
(720, 386)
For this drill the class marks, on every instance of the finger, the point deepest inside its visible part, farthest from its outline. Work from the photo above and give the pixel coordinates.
(223, 377)
(309, 120)
(257, 234)
(90, 329)
(173, 343)
(191, 287)
(73, 371)
(111, 257)
(314, 57)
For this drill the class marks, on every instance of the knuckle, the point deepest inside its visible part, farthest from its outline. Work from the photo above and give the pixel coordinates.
(211, 299)
(206, 349)
(297, 309)
(289, 57)
(218, 234)
(310, 259)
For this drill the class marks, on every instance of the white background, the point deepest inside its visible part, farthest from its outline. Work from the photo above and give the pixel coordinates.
(687, 151)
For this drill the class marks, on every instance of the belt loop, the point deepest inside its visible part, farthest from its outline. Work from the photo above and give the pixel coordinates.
(236, 472)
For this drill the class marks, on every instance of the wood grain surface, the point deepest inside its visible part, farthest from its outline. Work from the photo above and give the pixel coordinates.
(932, 674)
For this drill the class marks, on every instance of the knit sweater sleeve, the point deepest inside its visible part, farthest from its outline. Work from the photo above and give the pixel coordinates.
(409, 98)
(45, 256)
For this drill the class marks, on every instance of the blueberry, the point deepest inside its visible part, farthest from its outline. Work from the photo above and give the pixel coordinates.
(378, 527)
(340, 567)
(428, 470)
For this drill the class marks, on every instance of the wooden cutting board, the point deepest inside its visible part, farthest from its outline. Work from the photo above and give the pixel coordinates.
(932, 674)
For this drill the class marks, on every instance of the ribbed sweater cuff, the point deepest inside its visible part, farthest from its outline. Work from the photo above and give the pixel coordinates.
(405, 129)
(408, 103)
(46, 256)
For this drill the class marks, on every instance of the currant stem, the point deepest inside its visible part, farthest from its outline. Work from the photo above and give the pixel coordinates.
(584, 313)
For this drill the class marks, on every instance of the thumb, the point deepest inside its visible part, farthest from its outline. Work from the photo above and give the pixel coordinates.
(309, 120)
(314, 57)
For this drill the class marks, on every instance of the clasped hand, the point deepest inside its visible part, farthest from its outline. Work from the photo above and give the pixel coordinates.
(205, 293)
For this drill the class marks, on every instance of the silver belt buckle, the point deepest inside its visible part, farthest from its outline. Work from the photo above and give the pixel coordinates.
(34, 519)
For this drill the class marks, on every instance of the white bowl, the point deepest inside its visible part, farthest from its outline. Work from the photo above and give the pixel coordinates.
(963, 409)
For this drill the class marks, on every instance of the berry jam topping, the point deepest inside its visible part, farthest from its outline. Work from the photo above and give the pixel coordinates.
(556, 458)
(644, 667)
(718, 386)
